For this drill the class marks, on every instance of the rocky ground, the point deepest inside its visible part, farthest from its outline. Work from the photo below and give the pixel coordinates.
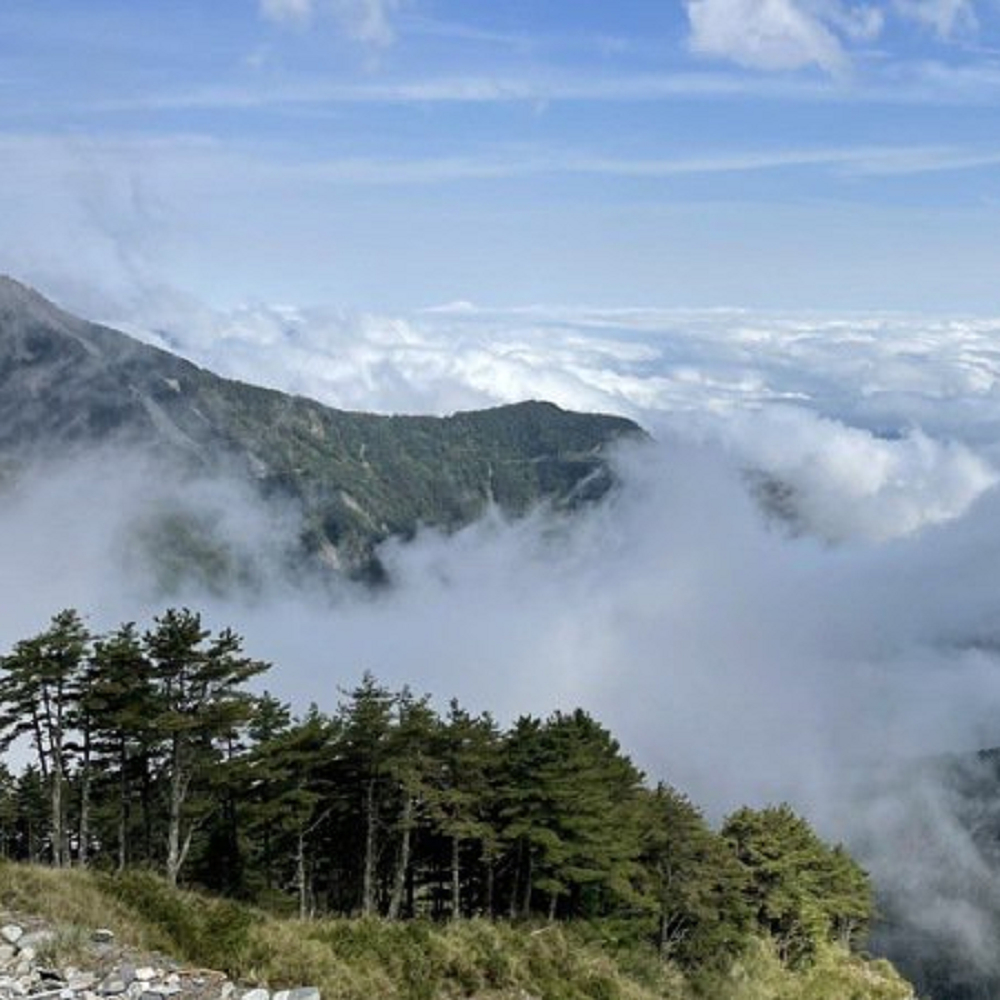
(42, 962)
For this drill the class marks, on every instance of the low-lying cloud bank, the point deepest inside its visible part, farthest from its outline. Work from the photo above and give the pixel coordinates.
(736, 657)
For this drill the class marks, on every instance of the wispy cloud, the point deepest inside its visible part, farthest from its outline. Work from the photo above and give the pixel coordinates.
(945, 17)
(198, 153)
(923, 83)
(526, 162)
(287, 10)
(780, 34)
(367, 21)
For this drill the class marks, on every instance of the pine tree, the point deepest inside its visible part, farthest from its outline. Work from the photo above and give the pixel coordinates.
(696, 883)
(37, 693)
(120, 704)
(412, 766)
(570, 810)
(367, 719)
(201, 704)
(288, 788)
(462, 800)
(801, 891)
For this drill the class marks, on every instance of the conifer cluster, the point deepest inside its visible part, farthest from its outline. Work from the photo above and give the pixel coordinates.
(149, 750)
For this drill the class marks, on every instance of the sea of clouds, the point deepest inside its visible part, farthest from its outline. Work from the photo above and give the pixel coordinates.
(741, 656)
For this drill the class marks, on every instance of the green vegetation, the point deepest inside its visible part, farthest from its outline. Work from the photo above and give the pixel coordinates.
(386, 849)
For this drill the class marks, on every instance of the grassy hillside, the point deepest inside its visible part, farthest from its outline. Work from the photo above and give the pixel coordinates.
(360, 960)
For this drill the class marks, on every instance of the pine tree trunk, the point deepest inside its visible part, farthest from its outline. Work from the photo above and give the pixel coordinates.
(84, 827)
(368, 874)
(58, 835)
(456, 878)
(82, 856)
(516, 882)
(123, 805)
(174, 820)
(147, 812)
(300, 873)
(526, 903)
(403, 863)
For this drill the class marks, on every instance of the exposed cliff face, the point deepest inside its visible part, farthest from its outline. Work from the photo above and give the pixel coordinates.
(67, 385)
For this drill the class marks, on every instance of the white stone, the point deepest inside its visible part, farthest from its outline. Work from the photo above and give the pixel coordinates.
(34, 940)
(11, 933)
(305, 993)
(145, 974)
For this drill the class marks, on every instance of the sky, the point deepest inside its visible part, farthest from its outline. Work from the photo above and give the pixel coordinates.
(400, 154)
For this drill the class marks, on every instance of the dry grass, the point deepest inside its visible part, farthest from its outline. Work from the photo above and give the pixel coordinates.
(363, 959)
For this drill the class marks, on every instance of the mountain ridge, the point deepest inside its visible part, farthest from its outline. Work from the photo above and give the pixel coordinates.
(67, 384)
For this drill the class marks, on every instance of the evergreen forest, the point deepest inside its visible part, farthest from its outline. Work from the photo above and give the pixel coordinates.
(147, 748)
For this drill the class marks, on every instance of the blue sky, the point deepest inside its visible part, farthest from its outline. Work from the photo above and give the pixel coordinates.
(393, 154)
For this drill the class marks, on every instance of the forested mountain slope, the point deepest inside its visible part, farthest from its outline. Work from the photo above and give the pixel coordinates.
(67, 384)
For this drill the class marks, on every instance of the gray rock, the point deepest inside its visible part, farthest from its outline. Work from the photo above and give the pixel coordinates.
(80, 980)
(7, 953)
(256, 995)
(302, 993)
(102, 936)
(11, 933)
(36, 939)
(146, 973)
(117, 981)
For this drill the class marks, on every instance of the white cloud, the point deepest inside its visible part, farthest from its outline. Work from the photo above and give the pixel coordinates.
(849, 484)
(945, 17)
(793, 34)
(769, 34)
(366, 21)
(287, 10)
